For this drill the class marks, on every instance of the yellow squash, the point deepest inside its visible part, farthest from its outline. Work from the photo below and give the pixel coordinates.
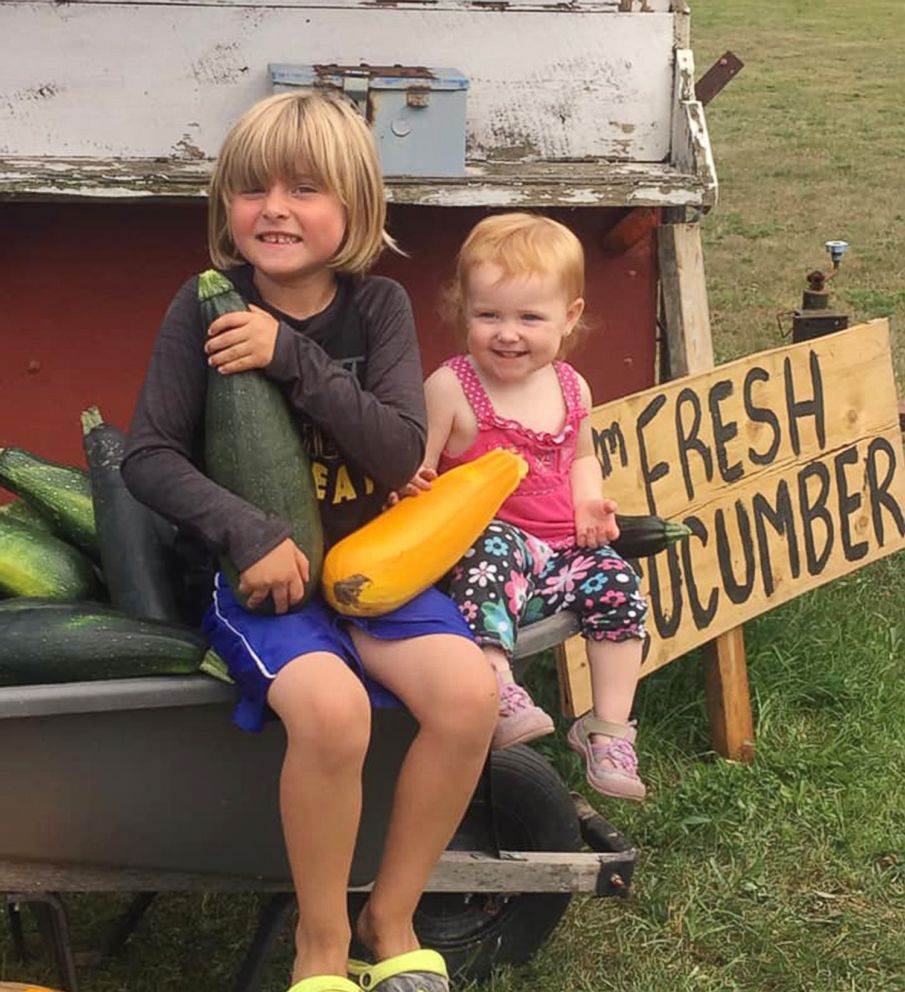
(416, 542)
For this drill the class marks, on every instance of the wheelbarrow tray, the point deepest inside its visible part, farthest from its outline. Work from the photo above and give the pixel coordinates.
(151, 774)
(146, 783)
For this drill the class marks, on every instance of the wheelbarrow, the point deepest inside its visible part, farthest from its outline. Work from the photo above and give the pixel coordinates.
(144, 786)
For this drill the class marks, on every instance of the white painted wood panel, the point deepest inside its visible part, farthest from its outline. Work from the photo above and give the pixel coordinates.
(145, 81)
(562, 184)
(610, 6)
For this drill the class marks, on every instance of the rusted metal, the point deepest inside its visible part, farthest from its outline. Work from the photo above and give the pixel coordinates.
(726, 67)
(363, 69)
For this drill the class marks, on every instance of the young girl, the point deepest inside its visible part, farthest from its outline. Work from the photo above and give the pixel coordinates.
(518, 297)
(296, 218)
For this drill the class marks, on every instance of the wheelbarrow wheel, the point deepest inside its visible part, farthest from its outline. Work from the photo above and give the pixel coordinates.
(533, 811)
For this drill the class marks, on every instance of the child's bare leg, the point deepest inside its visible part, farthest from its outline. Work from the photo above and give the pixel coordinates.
(326, 713)
(520, 719)
(449, 688)
(604, 738)
(615, 667)
(499, 660)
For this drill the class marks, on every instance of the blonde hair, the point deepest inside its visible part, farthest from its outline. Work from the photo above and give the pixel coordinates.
(520, 244)
(330, 141)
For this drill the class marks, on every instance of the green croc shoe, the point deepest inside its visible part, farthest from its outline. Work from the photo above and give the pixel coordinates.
(325, 983)
(416, 971)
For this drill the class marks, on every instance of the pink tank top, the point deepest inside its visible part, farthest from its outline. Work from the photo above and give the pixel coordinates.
(542, 504)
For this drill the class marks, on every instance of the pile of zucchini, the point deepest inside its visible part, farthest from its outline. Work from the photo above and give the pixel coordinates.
(86, 581)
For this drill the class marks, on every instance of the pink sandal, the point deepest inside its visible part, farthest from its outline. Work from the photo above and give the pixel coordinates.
(520, 719)
(611, 764)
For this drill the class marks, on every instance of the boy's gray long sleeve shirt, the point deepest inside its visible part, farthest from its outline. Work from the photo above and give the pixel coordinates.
(352, 377)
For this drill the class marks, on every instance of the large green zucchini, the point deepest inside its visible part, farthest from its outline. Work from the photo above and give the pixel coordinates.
(252, 447)
(25, 513)
(137, 562)
(62, 493)
(45, 642)
(35, 563)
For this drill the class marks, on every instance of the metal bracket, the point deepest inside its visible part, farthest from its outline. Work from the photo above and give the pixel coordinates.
(715, 78)
(355, 86)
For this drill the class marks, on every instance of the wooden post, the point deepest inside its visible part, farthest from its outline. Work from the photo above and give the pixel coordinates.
(690, 346)
(728, 696)
(573, 677)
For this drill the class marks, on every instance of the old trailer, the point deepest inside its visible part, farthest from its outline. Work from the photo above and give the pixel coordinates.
(111, 117)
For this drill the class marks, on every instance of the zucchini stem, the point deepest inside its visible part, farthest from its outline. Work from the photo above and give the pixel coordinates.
(91, 419)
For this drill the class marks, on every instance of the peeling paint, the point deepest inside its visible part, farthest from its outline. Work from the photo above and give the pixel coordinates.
(221, 65)
(563, 123)
(585, 183)
(34, 94)
(187, 150)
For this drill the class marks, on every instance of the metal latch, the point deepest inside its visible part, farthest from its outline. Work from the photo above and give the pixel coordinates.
(355, 86)
(418, 96)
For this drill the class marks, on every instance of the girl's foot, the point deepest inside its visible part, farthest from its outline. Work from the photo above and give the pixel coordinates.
(520, 719)
(609, 755)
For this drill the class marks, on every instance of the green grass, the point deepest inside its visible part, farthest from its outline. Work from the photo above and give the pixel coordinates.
(809, 142)
(787, 874)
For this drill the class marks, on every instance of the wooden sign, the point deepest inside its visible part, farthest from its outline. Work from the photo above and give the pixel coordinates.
(787, 466)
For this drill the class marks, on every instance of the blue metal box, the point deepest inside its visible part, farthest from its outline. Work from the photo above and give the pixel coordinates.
(417, 114)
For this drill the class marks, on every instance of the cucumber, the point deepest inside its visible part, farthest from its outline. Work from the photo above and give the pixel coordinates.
(25, 513)
(35, 563)
(642, 536)
(138, 564)
(62, 493)
(44, 642)
(252, 447)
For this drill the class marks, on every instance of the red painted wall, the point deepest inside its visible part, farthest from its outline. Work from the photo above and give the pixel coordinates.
(86, 284)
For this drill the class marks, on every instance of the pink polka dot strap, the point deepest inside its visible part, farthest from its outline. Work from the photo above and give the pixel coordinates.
(486, 415)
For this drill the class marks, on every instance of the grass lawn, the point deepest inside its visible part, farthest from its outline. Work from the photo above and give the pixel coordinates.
(787, 874)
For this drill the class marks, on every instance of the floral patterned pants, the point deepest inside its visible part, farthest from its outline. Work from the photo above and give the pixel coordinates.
(509, 579)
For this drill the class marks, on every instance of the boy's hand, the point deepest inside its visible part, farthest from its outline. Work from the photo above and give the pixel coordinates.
(242, 340)
(281, 573)
(595, 523)
(420, 482)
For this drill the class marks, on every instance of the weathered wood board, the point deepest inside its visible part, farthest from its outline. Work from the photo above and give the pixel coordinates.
(164, 80)
(788, 467)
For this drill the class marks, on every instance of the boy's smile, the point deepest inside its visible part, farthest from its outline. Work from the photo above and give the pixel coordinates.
(289, 229)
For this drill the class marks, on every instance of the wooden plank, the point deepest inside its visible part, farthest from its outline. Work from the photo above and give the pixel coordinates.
(728, 698)
(573, 677)
(538, 184)
(457, 871)
(152, 99)
(787, 464)
(684, 292)
(596, 6)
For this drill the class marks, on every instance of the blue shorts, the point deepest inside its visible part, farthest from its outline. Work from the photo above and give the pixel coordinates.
(256, 647)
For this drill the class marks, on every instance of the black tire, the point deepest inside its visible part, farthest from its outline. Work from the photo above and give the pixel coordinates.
(477, 932)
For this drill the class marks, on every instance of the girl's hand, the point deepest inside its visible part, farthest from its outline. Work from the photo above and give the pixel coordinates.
(420, 482)
(281, 573)
(595, 522)
(242, 340)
